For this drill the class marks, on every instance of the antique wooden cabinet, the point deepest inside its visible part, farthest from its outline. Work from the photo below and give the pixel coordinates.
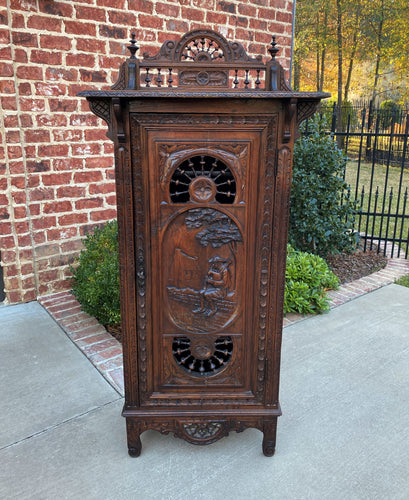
(203, 147)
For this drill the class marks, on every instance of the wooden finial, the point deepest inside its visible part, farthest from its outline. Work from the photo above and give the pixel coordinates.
(133, 48)
(273, 49)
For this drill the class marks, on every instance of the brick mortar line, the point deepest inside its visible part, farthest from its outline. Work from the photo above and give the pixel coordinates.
(13, 78)
(26, 173)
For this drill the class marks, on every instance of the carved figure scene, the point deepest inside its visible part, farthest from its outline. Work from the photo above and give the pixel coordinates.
(215, 287)
(201, 285)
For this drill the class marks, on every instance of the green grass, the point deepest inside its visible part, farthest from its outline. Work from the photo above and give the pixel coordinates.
(384, 202)
(404, 281)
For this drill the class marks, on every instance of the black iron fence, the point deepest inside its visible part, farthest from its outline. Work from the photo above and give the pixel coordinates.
(377, 173)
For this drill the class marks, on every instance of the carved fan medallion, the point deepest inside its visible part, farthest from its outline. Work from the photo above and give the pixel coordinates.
(202, 49)
(203, 179)
(202, 356)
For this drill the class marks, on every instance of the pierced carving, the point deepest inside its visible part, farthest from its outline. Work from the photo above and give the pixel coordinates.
(101, 108)
(215, 59)
(202, 179)
(203, 430)
(202, 356)
(203, 46)
(225, 370)
(235, 155)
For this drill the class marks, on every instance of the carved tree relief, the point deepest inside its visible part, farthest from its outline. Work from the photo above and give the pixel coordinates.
(202, 276)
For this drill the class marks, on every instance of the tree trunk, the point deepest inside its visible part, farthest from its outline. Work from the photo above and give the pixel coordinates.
(350, 66)
(317, 37)
(296, 71)
(321, 86)
(353, 52)
(340, 61)
(379, 35)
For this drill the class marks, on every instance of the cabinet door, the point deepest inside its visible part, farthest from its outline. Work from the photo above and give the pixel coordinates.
(205, 227)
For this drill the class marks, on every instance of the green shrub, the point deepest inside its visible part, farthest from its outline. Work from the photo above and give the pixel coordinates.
(403, 280)
(96, 277)
(319, 222)
(390, 113)
(307, 277)
(348, 113)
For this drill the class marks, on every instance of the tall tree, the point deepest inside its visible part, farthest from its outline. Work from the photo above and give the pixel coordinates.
(333, 35)
(340, 61)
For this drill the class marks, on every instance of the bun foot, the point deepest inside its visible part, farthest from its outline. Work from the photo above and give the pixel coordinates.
(135, 447)
(268, 448)
(269, 438)
(134, 439)
(134, 452)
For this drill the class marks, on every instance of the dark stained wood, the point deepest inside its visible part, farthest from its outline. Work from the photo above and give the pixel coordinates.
(203, 139)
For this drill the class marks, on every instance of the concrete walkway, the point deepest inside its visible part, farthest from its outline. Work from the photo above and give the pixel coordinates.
(344, 433)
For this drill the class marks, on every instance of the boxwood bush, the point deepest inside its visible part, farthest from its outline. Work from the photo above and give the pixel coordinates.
(95, 280)
(319, 222)
(95, 275)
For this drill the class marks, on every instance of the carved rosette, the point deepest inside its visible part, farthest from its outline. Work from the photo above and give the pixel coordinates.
(202, 432)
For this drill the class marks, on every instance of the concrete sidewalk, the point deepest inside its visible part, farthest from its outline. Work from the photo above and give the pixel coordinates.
(344, 433)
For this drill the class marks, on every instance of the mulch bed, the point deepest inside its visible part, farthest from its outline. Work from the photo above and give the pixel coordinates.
(115, 331)
(350, 267)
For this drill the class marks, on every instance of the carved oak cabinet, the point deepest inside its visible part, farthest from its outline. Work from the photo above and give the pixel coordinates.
(203, 148)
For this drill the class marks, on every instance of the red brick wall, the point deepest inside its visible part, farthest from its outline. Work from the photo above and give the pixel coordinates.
(56, 170)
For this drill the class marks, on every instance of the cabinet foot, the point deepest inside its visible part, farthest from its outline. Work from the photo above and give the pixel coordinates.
(269, 438)
(268, 447)
(135, 451)
(134, 440)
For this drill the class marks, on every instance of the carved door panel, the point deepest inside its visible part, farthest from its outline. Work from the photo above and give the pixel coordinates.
(202, 249)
